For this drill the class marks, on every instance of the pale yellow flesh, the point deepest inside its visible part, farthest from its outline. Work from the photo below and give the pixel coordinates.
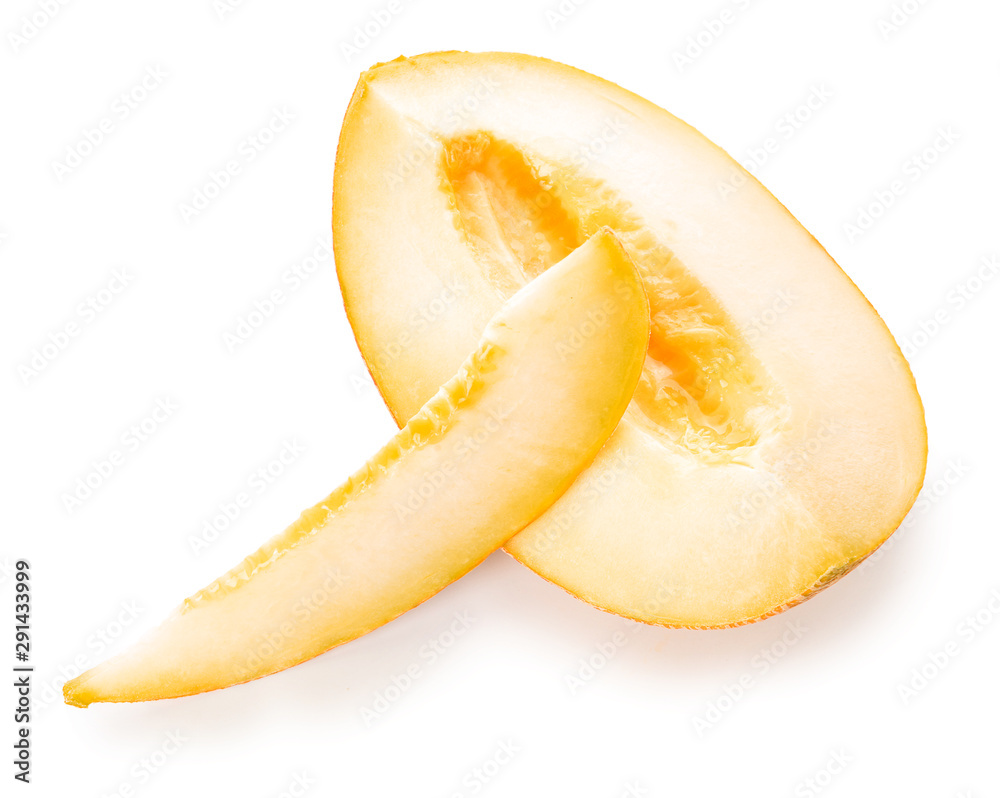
(494, 447)
(776, 436)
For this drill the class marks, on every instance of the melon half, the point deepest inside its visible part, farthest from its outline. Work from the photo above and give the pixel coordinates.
(776, 436)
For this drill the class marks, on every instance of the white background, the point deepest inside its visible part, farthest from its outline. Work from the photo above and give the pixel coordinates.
(832, 696)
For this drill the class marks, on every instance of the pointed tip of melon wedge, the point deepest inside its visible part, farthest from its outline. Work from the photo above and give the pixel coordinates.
(75, 693)
(497, 444)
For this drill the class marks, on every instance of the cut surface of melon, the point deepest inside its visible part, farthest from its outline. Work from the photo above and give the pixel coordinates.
(547, 383)
(776, 436)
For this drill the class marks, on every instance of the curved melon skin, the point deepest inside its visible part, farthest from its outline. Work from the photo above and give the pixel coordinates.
(776, 438)
(479, 461)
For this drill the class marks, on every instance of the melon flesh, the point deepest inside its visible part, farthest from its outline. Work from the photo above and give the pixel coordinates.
(526, 412)
(776, 436)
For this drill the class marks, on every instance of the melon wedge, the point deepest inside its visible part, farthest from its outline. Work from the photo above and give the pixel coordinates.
(545, 386)
(776, 436)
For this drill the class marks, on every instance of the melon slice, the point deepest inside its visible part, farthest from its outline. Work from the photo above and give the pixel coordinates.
(545, 386)
(776, 436)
